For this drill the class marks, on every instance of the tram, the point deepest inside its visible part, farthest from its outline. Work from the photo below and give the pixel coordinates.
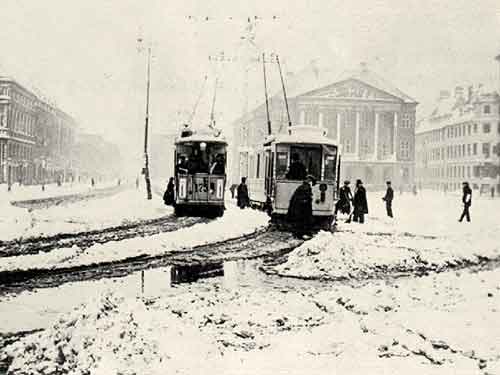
(272, 188)
(200, 172)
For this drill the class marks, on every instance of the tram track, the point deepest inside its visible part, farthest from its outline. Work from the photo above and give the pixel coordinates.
(84, 240)
(260, 244)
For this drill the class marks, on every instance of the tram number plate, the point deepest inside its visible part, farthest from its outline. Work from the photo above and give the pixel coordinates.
(201, 188)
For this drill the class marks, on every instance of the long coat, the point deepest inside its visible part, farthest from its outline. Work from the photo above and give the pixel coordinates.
(359, 201)
(300, 208)
(467, 196)
(344, 202)
(169, 196)
(243, 198)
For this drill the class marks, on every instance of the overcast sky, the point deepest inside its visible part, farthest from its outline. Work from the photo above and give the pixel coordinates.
(84, 54)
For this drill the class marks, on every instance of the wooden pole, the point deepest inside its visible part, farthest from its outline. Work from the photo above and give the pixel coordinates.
(146, 130)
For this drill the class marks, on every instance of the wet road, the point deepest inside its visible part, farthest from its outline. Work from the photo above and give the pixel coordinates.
(267, 243)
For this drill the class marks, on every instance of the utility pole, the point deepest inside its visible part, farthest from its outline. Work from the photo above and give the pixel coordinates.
(146, 130)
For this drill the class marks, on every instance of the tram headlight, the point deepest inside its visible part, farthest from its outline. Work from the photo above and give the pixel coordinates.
(203, 146)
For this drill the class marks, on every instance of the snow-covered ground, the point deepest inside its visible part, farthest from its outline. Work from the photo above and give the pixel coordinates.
(424, 233)
(125, 206)
(234, 223)
(246, 323)
(28, 192)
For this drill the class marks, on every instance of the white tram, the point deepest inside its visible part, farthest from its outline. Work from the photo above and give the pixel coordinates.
(319, 154)
(200, 172)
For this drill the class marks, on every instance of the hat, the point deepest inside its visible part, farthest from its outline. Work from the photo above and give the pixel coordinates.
(347, 182)
(358, 182)
(312, 178)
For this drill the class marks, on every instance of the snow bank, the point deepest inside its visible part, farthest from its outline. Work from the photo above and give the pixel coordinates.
(111, 335)
(234, 223)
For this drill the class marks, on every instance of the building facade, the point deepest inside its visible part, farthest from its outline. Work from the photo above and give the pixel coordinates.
(372, 121)
(36, 138)
(460, 141)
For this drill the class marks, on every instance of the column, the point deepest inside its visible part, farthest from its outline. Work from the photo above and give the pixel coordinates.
(395, 136)
(375, 146)
(338, 128)
(320, 119)
(302, 117)
(356, 141)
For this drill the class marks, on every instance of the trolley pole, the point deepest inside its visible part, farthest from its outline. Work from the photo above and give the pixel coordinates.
(284, 92)
(269, 129)
(146, 130)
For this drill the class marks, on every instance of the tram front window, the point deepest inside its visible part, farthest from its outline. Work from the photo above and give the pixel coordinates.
(330, 162)
(310, 157)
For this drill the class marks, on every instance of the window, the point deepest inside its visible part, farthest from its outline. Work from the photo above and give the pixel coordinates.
(475, 128)
(406, 120)
(257, 172)
(347, 146)
(330, 164)
(463, 150)
(486, 150)
(474, 148)
(498, 127)
(469, 149)
(281, 164)
(486, 127)
(487, 109)
(405, 149)
(469, 129)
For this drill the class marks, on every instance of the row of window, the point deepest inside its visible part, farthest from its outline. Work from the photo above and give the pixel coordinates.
(21, 121)
(459, 151)
(461, 130)
(455, 171)
(16, 151)
(329, 118)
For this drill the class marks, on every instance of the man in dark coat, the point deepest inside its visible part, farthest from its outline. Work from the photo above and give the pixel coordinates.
(300, 208)
(169, 196)
(345, 197)
(243, 199)
(389, 196)
(467, 201)
(297, 170)
(360, 203)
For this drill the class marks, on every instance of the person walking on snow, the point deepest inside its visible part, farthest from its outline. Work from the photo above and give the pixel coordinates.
(389, 196)
(466, 200)
(345, 197)
(360, 203)
(169, 195)
(243, 198)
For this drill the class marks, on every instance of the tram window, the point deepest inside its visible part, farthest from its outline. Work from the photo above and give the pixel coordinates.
(311, 158)
(330, 163)
(281, 164)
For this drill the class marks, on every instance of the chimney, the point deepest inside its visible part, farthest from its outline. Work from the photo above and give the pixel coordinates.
(444, 94)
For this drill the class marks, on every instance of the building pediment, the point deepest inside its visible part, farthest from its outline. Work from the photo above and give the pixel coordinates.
(352, 89)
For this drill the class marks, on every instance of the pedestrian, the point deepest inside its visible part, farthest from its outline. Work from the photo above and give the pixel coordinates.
(92, 182)
(493, 192)
(414, 189)
(360, 203)
(466, 200)
(345, 197)
(169, 195)
(119, 182)
(389, 196)
(243, 197)
(401, 189)
(233, 190)
(137, 182)
(300, 208)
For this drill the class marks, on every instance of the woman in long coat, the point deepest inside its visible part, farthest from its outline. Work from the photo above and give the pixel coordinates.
(360, 203)
(169, 196)
(300, 208)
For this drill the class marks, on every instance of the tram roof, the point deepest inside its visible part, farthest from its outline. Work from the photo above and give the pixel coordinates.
(302, 134)
(201, 137)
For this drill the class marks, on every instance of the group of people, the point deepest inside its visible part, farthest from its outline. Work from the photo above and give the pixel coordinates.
(196, 164)
(359, 202)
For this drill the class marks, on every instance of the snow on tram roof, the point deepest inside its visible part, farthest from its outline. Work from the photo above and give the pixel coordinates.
(202, 136)
(303, 134)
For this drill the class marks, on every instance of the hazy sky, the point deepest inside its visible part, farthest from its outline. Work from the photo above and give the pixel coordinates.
(84, 54)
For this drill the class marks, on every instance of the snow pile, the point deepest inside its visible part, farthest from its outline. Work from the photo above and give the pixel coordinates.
(234, 223)
(14, 221)
(111, 335)
(361, 255)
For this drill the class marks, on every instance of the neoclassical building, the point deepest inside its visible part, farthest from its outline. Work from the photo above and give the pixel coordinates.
(372, 121)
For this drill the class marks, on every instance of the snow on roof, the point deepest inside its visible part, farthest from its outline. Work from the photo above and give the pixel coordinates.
(303, 134)
(210, 136)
